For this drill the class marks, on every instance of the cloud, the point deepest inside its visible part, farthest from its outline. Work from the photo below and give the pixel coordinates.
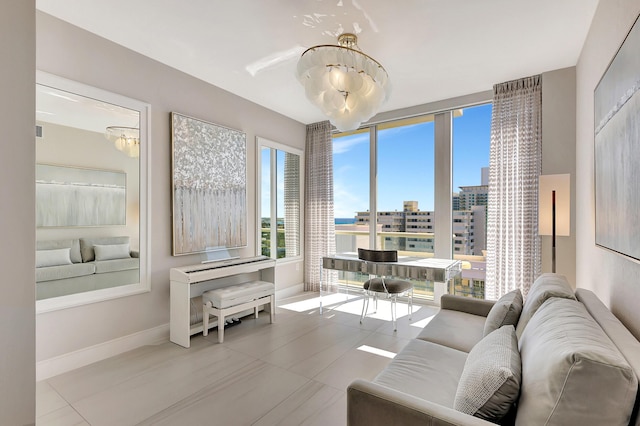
(344, 144)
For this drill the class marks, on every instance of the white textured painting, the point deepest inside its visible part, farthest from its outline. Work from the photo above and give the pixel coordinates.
(617, 151)
(69, 196)
(209, 186)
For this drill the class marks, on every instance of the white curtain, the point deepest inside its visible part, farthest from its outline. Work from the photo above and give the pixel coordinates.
(513, 244)
(292, 204)
(320, 233)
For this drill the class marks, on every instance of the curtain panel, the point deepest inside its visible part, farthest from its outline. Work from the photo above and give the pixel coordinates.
(515, 164)
(320, 232)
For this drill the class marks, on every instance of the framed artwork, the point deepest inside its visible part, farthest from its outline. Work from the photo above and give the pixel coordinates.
(71, 196)
(617, 150)
(209, 186)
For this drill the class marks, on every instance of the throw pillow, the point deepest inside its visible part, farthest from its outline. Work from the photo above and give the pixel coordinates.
(55, 257)
(490, 381)
(506, 311)
(111, 251)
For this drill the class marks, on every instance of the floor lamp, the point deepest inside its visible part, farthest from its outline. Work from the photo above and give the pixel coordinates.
(554, 209)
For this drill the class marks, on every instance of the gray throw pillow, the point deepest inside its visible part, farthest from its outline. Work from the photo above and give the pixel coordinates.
(490, 381)
(111, 251)
(506, 311)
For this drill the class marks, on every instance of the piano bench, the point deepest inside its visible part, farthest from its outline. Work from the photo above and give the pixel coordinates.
(230, 300)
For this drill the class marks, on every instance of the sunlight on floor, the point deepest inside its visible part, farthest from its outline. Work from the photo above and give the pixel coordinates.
(377, 351)
(420, 324)
(314, 302)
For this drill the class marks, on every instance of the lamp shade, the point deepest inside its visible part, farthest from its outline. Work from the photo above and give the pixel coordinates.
(561, 183)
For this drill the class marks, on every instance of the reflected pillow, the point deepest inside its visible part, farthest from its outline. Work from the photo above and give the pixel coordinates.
(55, 257)
(111, 251)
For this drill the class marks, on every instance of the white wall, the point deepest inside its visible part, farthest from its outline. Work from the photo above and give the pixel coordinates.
(17, 212)
(72, 53)
(558, 157)
(615, 279)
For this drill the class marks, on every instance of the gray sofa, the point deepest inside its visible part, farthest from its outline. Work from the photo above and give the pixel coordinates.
(70, 266)
(559, 358)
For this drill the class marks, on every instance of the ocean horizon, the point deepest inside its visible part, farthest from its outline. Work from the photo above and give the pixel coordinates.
(345, 220)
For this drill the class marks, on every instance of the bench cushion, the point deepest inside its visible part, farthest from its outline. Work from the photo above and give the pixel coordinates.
(455, 329)
(545, 286)
(51, 273)
(425, 370)
(236, 294)
(571, 371)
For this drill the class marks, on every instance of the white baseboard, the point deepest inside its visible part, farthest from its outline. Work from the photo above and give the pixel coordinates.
(289, 291)
(85, 356)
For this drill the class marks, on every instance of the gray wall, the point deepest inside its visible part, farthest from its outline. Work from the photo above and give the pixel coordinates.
(559, 157)
(17, 214)
(613, 278)
(72, 53)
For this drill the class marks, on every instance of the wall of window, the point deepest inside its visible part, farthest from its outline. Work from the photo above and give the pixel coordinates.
(412, 206)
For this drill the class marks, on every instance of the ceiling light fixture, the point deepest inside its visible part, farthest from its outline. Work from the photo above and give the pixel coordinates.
(125, 139)
(347, 85)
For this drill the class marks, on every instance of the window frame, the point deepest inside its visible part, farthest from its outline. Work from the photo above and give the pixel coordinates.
(272, 145)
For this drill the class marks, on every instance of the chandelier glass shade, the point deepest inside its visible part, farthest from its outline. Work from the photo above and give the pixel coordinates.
(347, 85)
(125, 139)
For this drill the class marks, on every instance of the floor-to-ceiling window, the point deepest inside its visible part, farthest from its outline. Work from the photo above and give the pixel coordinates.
(471, 140)
(280, 175)
(385, 194)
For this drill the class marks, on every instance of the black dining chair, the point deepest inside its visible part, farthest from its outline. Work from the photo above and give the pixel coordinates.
(388, 286)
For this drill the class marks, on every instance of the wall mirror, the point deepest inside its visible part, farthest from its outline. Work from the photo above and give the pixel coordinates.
(280, 174)
(92, 150)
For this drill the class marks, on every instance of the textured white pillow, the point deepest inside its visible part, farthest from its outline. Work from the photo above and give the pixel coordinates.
(111, 251)
(490, 381)
(55, 257)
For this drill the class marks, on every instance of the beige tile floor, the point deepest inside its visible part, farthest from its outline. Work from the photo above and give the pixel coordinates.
(293, 372)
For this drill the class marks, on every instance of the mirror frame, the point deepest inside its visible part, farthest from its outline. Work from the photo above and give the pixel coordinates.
(266, 143)
(144, 109)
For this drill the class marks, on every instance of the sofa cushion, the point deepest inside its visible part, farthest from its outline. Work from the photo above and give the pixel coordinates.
(111, 251)
(51, 273)
(490, 381)
(425, 370)
(55, 257)
(86, 245)
(455, 329)
(571, 371)
(105, 266)
(546, 286)
(506, 311)
(74, 245)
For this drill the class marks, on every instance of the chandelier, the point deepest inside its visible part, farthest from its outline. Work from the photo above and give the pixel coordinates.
(125, 139)
(347, 85)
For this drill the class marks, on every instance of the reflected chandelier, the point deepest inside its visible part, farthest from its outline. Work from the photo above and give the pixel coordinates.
(347, 85)
(125, 139)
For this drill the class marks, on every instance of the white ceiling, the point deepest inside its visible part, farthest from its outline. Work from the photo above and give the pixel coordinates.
(432, 49)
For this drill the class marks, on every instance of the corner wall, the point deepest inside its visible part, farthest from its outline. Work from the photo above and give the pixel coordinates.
(70, 52)
(559, 157)
(615, 279)
(17, 212)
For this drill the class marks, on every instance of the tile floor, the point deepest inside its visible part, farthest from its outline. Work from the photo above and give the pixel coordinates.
(293, 372)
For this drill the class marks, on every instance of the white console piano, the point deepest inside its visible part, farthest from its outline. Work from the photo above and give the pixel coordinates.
(191, 281)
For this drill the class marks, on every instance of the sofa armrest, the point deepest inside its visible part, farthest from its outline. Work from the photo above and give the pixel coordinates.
(466, 304)
(372, 404)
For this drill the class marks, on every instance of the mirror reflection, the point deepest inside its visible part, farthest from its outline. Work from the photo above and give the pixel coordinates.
(87, 194)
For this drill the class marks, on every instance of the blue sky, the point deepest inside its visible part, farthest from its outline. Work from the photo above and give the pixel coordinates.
(406, 163)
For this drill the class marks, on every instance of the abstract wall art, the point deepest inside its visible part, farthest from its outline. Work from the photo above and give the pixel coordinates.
(209, 191)
(617, 151)
(71, 196)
